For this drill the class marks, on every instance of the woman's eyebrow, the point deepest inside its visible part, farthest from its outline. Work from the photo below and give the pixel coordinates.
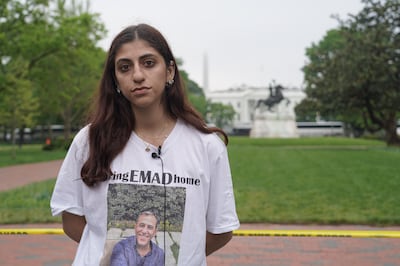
(140, 58)
(123, 60)
(146, 56)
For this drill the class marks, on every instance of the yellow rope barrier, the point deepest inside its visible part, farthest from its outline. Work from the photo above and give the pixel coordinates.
(31, 231)
(267, 233)
(319, 233)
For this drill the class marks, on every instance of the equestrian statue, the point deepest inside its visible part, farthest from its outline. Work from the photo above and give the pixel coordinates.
(275, 97)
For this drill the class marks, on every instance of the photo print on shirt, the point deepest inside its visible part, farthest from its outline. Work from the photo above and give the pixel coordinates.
(126, 202)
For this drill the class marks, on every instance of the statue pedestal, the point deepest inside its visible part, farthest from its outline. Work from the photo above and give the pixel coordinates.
(279, 123)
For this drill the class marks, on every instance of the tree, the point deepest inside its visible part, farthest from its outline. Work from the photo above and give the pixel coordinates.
(220, 114)
(217, 113)
(197, 97)
(195, 92)
(17, 105)
(56, 39)
(354, 72)
(307, 110)
(69, 77)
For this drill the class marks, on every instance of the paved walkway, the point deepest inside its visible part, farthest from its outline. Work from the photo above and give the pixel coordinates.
(58, 250)
(19, 175)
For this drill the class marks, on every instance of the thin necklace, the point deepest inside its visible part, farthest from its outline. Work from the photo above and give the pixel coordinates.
(161, 136)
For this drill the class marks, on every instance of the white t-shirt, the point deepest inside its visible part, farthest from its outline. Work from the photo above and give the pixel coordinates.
(197, 195)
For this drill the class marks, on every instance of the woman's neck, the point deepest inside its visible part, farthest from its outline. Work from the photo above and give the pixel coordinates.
(153, 127)
(150, 117)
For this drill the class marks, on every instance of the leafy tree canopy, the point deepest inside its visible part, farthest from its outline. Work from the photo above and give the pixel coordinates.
(50, 64)
(54, 44)
(354, 72)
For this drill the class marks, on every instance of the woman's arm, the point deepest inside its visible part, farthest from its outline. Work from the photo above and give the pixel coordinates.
(73, 225)
(216, 241)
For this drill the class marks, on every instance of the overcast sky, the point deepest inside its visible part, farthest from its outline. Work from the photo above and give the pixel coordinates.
(250, 42)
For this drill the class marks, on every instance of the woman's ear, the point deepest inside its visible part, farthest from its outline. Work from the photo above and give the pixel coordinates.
(171, 70)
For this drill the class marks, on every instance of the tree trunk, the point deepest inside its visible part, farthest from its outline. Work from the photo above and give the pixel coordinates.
(21, 136)
(392, 139)
(67, 122)
(49, 131)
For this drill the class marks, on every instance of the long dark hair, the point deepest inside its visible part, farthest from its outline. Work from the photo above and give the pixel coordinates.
(112, 119)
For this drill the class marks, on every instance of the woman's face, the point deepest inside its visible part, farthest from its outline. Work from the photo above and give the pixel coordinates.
(141, 74)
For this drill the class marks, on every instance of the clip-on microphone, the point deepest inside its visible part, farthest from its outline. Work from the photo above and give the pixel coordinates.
(155, 155)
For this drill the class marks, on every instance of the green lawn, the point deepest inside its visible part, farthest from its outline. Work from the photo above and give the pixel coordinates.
(28, 204)
(12, 155)
(304, 181)
(299, 181)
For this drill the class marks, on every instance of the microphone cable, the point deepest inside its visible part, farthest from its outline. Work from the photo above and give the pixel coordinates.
(157, 155)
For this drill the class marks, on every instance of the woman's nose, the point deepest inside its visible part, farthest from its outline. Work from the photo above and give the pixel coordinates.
(137, 75)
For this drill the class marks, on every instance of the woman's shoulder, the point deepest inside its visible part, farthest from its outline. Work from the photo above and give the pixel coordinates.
(82, 135)
(80, 143)
(212, 140)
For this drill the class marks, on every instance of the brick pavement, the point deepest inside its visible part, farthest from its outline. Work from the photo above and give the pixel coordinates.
(58, 250)
(19, 175)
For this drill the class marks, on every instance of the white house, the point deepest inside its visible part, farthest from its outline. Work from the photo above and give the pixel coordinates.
(244, 100)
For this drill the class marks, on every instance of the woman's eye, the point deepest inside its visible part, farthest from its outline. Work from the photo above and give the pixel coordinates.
(124, 67)
(148, 63)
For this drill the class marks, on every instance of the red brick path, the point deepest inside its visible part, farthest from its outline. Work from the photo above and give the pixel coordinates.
(58, 250)
(19, 175)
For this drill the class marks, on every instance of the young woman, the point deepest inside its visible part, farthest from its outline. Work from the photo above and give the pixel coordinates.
(146, 147)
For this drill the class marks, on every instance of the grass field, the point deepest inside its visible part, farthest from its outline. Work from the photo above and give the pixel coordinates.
(12, 155)
(328, 181)
(302, 181)
(28, 204)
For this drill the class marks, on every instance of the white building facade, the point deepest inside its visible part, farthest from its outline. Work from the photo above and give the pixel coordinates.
(244, 101)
